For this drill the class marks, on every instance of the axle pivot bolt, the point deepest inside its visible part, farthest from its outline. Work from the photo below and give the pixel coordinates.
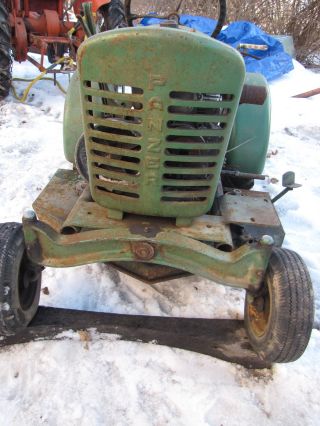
(143, 251)
(29, 214)
(267, 240)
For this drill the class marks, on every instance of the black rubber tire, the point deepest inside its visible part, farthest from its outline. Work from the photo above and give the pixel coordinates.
(5, 52)
(286, 300)
(55, 51)
(114, 15)
(81, 159)
(20, 281)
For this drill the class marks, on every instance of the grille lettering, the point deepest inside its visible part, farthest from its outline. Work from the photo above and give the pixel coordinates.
(155, 124)
(152, 162)
(151, 179)
(154, 145)
(156, 80)
(155, 103)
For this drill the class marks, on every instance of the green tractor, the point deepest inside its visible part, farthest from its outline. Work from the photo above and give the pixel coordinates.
(166, 132)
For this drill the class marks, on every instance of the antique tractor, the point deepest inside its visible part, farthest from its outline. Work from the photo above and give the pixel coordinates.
(165, 132)
(44, 27)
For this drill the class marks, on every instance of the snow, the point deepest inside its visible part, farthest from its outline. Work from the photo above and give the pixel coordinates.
(95, 380)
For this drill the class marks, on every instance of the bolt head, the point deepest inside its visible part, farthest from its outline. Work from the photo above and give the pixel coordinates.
(267, 240)
(143, 251)
(29, 214)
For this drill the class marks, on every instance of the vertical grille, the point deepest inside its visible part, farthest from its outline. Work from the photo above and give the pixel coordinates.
(113, 115)
(194, 137)
(194, 144)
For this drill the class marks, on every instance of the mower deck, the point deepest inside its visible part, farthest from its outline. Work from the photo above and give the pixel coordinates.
(222, 339)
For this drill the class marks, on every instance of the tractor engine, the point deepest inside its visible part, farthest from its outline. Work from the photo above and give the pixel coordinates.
(158, 108)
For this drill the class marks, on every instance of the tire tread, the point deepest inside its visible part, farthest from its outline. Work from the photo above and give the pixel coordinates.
(12, 245)
(292, 313)
(5, 52)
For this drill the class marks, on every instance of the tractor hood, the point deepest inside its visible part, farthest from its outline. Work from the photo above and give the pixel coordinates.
(158, 108)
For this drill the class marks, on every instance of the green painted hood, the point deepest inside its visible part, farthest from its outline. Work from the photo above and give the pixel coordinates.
(158, 107)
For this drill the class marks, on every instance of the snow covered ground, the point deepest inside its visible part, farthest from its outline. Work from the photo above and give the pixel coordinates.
(112, 382)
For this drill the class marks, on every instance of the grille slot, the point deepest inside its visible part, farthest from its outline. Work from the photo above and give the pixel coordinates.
(128, 107)
(184, 199)
(198, 110)
(114, 172)
(189, 163)
(189, 152)
(111, 87)
(197, 126)
(114, 126)
(117, 192)
(181, 178)
(116, 144)
(122, 119)
(196, 141)
(185, 194)
(191, 96)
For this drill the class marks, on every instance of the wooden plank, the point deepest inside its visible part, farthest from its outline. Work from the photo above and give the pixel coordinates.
(223, 339)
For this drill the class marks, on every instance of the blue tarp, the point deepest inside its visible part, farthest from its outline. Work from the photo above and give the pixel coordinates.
(274, 62)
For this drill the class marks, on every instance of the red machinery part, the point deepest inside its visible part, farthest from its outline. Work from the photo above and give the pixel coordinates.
(96, 4)
(47, 23)
(21, 40)
(53, 22)
(36, 22)
(40, 5)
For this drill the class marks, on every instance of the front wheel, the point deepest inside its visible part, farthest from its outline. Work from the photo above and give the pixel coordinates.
(279, 318)
(20, 281)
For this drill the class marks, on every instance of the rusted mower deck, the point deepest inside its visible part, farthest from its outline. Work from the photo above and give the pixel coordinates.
(222, 339)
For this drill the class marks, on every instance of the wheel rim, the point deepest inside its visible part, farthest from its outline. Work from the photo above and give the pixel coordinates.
(28, 283)
(258, 308)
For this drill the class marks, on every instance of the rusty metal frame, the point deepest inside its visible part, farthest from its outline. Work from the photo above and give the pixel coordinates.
(243, 267)
(68, 229)
(65, 206)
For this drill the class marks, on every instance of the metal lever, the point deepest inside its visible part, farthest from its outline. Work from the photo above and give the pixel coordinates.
(288, 182)
(244, 47)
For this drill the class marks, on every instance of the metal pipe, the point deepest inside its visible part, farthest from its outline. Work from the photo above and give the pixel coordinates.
(254, 95)
(236, 173)
(26, 8)
(308, 94)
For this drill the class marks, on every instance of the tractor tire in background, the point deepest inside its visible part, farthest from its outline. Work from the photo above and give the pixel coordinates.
(55, 51)
(5, 51)
(114, 15)
(81, 160)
